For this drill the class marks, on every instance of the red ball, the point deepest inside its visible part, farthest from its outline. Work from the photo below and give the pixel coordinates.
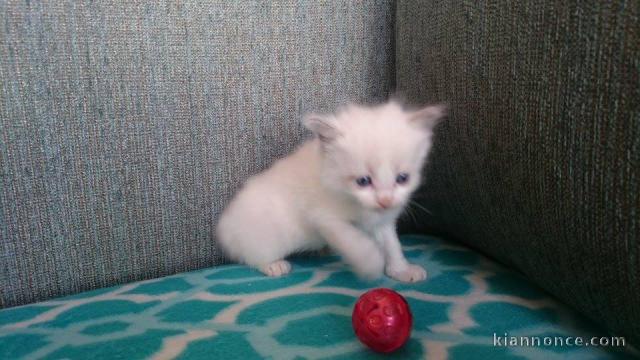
(382, 320)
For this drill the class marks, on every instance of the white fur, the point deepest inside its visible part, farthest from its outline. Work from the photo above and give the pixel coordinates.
(310, 198)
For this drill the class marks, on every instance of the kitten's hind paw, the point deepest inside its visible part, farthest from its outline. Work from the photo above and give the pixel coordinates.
(276, 268)
(412, 273)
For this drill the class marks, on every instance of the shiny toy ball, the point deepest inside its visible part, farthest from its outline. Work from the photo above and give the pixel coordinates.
(382, 320)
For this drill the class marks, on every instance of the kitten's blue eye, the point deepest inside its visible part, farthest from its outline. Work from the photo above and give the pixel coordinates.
(363, 181)
(402, 178)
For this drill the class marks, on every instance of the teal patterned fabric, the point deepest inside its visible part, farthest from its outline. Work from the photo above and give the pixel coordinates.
(235, 312)
(126, 126)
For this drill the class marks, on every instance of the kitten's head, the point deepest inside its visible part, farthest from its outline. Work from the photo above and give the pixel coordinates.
(375, 154)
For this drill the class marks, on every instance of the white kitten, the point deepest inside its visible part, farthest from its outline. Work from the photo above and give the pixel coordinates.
(344, 188)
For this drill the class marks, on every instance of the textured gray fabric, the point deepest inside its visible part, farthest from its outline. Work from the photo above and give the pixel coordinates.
(539, 162)
(126, 126)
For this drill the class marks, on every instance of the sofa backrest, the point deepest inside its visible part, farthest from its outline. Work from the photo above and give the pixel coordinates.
(126, 126)
(539, 162)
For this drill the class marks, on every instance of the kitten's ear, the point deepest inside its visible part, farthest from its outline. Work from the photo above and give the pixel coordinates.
(321, 125)
(428, 117)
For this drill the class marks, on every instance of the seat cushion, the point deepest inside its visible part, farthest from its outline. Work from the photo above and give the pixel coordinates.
(236, 312)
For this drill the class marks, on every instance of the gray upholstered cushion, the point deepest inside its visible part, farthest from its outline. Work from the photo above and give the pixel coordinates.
(126, 126)
(539, 163)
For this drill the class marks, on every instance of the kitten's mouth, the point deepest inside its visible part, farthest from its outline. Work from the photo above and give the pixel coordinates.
(379, 208)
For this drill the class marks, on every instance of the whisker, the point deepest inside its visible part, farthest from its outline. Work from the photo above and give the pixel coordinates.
(412, 215)
(407, 213)
(412, 202)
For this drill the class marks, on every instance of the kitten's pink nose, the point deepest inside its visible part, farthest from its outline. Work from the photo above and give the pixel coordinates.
(384, 201)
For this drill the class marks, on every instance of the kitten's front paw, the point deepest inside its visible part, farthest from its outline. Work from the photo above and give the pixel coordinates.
(371, 265)
(408, 274)
(276, 268)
